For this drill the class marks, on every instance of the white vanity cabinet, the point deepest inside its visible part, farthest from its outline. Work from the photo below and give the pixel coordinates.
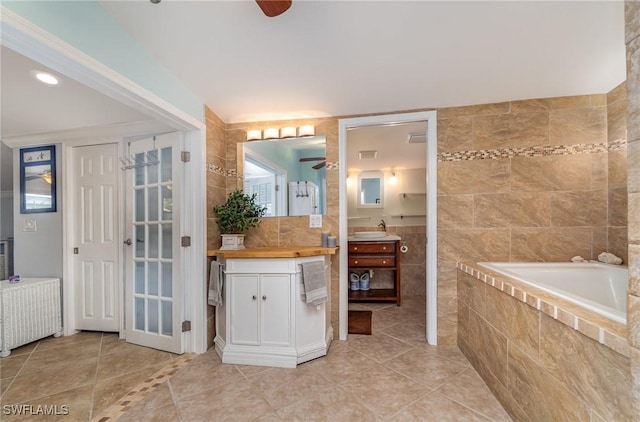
(263, 319)
(260, 309)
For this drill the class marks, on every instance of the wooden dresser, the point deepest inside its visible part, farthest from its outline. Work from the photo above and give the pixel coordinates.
(377, 255)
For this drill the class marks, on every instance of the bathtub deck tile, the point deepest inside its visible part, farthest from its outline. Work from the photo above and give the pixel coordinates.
(549, 309)
(519, 294)
(567, 318)
(617, 343)
(533, 301)
(589, 329)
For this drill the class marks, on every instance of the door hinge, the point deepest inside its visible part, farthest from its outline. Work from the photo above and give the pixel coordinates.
(185, 156)
(186, 326)
(185, 241)
(76, 251)
(277, 188)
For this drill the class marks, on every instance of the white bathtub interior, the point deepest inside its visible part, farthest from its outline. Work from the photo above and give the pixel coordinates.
(598, 287)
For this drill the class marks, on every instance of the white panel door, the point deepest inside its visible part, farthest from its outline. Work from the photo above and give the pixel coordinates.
(95, 181)
(153, 292)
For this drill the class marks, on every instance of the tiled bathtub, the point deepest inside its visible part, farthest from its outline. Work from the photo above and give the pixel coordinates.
(543, 357)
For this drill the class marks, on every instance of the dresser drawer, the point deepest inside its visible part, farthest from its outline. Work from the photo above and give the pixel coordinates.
(372, 261)
(376, 248)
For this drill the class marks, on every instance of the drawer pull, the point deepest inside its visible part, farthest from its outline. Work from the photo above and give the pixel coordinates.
(384, 248)
(384, 262)
(355, 262)
(355, 248)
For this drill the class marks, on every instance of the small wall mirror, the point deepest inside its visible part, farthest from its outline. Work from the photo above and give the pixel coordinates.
(289, 175)
(37, 180)
(371, 189)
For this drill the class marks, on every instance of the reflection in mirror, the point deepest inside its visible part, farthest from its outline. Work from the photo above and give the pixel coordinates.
(37, 180)
(37, 187)
(371, 189)
(288, 175)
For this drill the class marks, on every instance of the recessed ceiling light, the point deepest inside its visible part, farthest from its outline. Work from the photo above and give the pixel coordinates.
(46, 78)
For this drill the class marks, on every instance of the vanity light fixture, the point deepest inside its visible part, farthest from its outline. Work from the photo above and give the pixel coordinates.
(271, 133)
(288, 132)
(308, 130)
(45, 78)
(285, 132)
(254, 135)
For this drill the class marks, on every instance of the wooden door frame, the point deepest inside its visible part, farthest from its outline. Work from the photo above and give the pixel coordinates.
(31, 41)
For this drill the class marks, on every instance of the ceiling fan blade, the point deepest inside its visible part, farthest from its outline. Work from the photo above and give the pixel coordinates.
(273, 8)
(319, 165)
(302, 160)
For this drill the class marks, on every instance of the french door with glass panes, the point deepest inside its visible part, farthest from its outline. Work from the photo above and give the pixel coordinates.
(153, 295)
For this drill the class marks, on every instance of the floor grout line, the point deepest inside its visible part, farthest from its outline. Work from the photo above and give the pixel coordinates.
(95, 377)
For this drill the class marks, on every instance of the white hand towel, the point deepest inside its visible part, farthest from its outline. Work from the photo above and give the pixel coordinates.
(314, 283)
(215, 284)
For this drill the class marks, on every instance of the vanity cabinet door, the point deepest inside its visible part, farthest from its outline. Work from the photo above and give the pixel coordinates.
(243, 297)
(275, 309)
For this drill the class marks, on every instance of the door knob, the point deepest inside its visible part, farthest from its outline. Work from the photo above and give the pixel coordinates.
(128, 242)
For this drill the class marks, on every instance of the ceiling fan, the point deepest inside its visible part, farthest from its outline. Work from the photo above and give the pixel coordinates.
(273, 8)
(270, 8)
(318, 166)
(45, 175)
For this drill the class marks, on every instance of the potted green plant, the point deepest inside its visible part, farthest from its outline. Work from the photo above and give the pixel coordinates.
(240, 213)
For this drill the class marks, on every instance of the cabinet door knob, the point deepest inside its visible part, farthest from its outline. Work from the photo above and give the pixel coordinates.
(254, 297)
(264, 297)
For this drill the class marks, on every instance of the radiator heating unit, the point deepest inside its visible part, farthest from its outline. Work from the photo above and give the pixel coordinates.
(29, 310)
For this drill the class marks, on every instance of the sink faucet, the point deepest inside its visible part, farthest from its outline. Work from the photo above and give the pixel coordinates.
(383, 225)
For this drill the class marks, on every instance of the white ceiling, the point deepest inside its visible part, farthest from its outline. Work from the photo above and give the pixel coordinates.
(333, 58)
(31, 107)
(336, 58)
(390, 143)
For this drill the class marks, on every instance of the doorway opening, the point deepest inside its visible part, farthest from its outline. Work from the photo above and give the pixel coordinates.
(407, 200)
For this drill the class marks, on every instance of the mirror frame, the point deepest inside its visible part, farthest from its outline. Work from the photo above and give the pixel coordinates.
(370, 175)
(32, 157)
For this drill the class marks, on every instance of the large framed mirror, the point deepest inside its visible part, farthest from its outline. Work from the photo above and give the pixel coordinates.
(38, 179)
(288, 175)
(371, 189)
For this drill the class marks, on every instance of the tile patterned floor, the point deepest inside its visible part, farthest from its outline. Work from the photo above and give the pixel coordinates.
(82, 375)
(392, 375)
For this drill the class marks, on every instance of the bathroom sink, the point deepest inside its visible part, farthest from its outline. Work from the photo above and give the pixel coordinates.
(370, 235)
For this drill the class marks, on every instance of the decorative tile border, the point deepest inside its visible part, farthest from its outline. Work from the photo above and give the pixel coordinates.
(119, 408)
(591, 329)
(539, 151)
(490, 154)
(212, 168)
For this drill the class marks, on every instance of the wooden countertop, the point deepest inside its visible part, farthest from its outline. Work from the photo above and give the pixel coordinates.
(274, 252)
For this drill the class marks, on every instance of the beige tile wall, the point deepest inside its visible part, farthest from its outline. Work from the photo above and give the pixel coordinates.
(216, 192)
(540, 368)
(545, 201)
(550, 191)
(632, 39)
